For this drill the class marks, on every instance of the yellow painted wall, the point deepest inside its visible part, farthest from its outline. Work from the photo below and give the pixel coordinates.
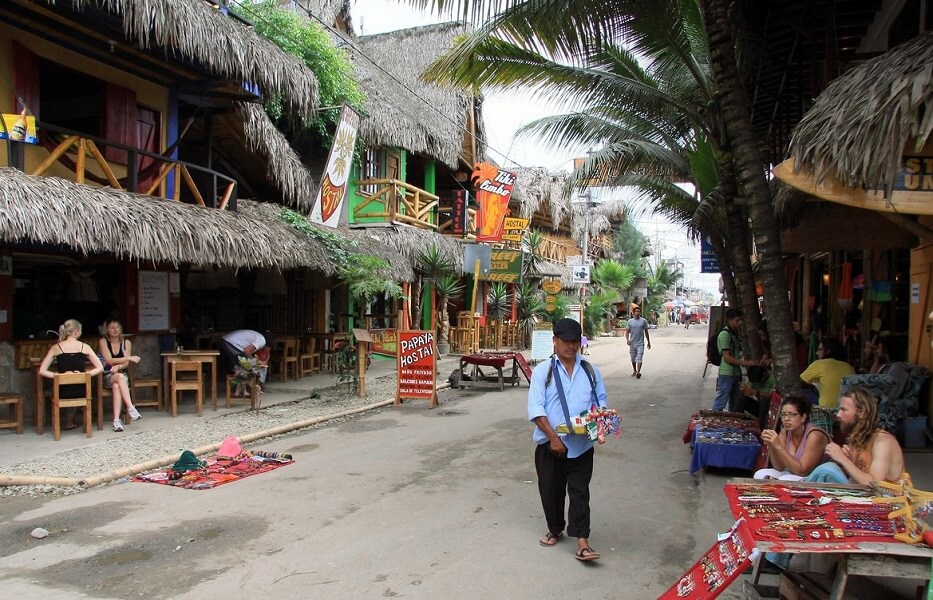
(147, 93)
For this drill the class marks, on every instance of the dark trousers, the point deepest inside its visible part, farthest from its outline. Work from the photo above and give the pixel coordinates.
(560, 477)
(229, 356)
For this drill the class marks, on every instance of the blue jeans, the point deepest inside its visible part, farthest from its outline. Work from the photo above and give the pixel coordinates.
(728, 393)
(828, 472)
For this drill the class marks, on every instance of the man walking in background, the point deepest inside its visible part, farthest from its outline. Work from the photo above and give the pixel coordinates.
(636, 334)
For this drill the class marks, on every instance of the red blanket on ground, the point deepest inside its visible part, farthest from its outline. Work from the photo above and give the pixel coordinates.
(217, 471)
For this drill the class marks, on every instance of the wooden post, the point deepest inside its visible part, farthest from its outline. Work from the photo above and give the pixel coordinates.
(474, 345)
(361, 368)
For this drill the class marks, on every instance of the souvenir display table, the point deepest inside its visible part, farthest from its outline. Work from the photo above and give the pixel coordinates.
(726, 440)
(491, 360)
(842, 520)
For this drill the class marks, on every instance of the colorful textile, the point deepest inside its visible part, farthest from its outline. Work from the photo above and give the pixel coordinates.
(217, 471)
(717, 568)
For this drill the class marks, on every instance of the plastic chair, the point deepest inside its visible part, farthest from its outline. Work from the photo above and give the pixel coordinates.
(59, 403)
(187, 376)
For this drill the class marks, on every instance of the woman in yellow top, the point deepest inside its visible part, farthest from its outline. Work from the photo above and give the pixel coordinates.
(828, 370)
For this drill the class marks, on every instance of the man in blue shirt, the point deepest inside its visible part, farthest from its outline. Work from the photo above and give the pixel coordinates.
(564, 462)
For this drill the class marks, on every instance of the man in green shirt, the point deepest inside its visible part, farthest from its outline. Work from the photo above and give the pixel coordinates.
(728, 384)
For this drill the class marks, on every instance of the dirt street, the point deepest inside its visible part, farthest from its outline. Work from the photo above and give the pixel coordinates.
(407, 502)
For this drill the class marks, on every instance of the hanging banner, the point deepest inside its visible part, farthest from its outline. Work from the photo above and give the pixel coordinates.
(329, 201)
(493, 191)
(458, 213)
(416, 367)
(717, 568)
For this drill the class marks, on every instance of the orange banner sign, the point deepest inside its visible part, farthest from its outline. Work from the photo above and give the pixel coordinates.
(327, 205)
(493, 191)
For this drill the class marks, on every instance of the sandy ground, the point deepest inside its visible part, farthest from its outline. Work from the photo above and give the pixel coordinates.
(405, 502)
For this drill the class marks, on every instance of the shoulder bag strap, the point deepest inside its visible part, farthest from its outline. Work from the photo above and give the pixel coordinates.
(560, 394)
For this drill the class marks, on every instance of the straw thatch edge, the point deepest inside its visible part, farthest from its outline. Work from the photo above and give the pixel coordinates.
(285, 168)
(89, 220)
(862, 122)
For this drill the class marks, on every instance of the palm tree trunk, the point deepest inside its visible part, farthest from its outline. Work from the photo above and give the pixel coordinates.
(416, 291)
(725, 267)
(750, 176)
(740, 255)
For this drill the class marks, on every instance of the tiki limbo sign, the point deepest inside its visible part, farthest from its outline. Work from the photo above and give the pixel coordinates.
(493, 191)
(329, 201)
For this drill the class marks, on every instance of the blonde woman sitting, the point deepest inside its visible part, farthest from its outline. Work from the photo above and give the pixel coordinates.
(71, 356)
(800, 446)
(117, 352)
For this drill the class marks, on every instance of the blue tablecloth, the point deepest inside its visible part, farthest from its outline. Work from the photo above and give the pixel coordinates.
(725, 447)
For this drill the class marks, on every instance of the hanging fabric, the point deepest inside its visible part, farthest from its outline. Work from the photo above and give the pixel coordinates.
(844, 294)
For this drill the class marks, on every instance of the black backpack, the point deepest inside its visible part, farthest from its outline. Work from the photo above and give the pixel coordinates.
(713, 355)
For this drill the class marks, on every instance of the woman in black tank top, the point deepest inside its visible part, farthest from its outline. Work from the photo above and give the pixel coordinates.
(118, 355)
(70, 354)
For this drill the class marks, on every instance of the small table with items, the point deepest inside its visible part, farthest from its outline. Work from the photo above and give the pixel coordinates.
(497, 361)
(721, 439)
(841, 520)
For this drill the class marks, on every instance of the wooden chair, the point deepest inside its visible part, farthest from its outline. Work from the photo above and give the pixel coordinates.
(290, 357)
(15, 421)
(309, 361)
(187, 376)
(141, 383)
(230, 397)
(59, 403)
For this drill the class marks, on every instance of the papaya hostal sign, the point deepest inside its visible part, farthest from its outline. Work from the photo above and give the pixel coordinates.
(416, 367)
(493, 191)
(505, 266)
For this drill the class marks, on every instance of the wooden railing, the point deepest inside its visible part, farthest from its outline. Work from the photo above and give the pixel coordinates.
(446, 225)
(73, 149)
(395, 200)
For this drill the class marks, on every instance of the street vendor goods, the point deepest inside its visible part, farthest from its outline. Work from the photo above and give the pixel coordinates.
(194, 474)
(598, 423)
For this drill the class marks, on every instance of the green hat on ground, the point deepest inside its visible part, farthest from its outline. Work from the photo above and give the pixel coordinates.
(188, 462)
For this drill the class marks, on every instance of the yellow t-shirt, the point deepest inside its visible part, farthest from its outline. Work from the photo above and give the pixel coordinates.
(828, 374)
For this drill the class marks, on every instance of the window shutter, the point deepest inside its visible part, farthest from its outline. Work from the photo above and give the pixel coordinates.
(120, 115)
(25, 80)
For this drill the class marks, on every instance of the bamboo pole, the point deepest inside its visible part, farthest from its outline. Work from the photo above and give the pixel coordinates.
(226, 197)
(104, 165)
(63, 147)
(79, 166)
(94, 480)
(191, 186)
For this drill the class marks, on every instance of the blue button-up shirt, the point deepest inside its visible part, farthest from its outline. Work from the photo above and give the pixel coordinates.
(545, 402)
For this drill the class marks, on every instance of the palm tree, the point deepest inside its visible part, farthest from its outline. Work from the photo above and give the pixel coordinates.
(660, 281)
(572, 50)
(440, 273)
(447, 286)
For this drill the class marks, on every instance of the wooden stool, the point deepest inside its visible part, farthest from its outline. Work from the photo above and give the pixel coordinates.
(254, 381)
(15, 402)
(154, 383)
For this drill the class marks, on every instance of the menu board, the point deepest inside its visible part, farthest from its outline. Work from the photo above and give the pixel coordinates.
(417, 366)
(542, 344)
(153, 301)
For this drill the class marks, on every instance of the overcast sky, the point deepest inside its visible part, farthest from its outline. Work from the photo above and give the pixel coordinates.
(505, 114)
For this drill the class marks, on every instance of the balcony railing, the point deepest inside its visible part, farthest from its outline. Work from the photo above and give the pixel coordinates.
(394, 200)
(145, 172)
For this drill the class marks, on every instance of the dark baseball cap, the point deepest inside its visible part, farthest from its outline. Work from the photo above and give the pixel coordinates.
(568, 330)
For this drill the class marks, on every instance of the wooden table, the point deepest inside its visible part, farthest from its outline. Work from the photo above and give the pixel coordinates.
(201, 356)
(497, 361)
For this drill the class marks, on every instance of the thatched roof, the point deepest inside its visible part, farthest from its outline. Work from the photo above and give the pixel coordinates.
(332, 12)
(536, 187)
(49, 210)
(284, 167)
(863, 121)
(410, 242)
(400, 109)
(193, 30)
(546, 269)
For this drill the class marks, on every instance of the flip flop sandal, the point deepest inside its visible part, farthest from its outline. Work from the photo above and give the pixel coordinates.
(550, 539)
(586, 554)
